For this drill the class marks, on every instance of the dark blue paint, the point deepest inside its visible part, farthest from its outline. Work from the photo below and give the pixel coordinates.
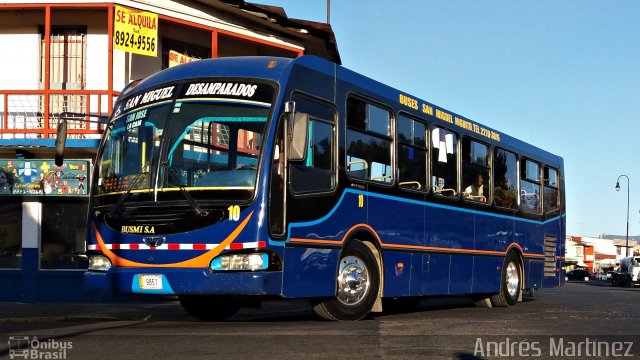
(437, 268)
(310, 272)
(397, 273)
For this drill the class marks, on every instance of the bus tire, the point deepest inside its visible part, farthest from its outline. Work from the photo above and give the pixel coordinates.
(510, 283)
(357, 283)
(209, 308)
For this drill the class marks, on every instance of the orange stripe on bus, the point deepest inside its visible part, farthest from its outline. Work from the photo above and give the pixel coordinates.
(198, 262)
(410, 247)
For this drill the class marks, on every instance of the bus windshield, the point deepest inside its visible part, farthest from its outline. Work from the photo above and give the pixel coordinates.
(192, 141)
(214, 145)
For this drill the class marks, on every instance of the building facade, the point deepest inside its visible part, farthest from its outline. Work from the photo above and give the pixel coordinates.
(70, 58)
(596, 254)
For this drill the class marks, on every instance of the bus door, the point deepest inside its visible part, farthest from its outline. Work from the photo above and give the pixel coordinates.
(310, 196)
(311, 160)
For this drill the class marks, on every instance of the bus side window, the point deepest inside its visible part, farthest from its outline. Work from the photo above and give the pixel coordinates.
(551, 184)
(505, 175)
(475, 170)
(412, 154)
(530, 187)
(368, 141)
(444, 167)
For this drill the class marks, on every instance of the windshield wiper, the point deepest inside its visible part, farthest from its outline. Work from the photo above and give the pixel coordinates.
(116, 207)
(196, 208)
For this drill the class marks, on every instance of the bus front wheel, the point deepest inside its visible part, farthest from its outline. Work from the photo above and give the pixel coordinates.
(357, 282)
(510, 283)
(208, 308)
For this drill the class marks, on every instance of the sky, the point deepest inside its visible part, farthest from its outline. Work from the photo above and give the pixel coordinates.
(561, 75)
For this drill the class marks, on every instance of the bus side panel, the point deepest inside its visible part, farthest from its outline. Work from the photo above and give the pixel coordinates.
(418, 275)
(461, 277)
(448, 230)
(436, 267)
(534, 273)
(398, 223)
(494, 233)
(530, 237)
(309, 272)
(487, 271)
(397, 273)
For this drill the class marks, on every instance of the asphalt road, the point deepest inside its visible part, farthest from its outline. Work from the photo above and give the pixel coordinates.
(577, 321)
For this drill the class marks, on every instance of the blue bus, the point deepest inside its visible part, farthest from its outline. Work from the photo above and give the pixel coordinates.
(229, 181)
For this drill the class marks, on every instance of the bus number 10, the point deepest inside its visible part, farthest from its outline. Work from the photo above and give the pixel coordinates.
(234, 212)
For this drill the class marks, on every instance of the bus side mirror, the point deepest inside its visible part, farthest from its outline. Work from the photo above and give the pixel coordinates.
(298, 137)
(61, 138)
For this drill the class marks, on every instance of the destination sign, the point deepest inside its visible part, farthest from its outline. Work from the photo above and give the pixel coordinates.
(228, 90)
(239, 90)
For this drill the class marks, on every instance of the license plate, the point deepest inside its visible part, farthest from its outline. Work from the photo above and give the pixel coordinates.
(151, 282)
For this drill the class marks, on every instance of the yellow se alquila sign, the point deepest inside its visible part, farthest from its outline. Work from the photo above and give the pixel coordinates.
(135, 31)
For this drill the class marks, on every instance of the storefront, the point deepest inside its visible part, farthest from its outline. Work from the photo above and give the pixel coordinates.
(43, 211)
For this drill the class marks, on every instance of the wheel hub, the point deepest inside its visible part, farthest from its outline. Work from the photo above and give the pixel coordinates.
(513, 279)
(353, 280)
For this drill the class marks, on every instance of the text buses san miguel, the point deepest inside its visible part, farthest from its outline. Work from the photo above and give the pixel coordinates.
(229, 181)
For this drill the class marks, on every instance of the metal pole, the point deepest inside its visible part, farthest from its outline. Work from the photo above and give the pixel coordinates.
(328, 11)
(628, 188)
(628, 217)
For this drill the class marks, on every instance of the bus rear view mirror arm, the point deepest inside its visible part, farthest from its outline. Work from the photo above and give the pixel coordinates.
(61, 136)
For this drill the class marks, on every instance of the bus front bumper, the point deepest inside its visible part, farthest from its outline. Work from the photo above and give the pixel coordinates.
(184, 281)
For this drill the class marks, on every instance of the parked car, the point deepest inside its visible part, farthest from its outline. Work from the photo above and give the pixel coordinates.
(579, 275)
(604, 275)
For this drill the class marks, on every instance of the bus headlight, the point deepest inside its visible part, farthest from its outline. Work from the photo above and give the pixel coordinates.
(251, 262)
(99, 263)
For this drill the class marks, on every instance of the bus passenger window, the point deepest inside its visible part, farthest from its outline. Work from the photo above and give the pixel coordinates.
(444, 167)
(368, 142)
(475, 170)
(530, 187)
(551, 202)
(412, 154)
(505, 193)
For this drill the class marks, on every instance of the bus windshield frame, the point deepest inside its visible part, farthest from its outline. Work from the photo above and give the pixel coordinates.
(201, 136)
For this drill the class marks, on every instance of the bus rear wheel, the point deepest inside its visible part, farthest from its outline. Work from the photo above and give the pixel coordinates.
(357, 282)
(510, 283)
(209, 308)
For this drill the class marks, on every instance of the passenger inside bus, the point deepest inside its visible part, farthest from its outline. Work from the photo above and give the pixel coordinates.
(475, 191)
(504, 194)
